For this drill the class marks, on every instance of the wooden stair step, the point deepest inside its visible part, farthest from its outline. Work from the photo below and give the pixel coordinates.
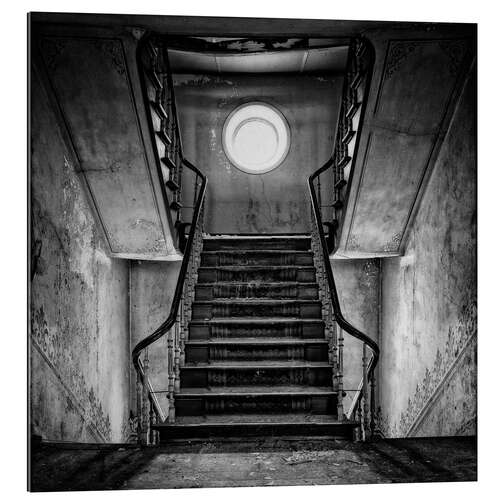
(237, 373)
(257, 257)
(256, 307)
(254, 425)
(229, 328)
(277, 290)
(255, 365)
(255, 390)
(159, 110)
(303, 274)
(249, 399)
(257, 349)
(299, 242)
(257, 341)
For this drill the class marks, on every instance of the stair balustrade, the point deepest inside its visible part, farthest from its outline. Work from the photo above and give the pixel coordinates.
(158, 90)
(159, 95)
(332, 184)
(362, 408)
(334, 177)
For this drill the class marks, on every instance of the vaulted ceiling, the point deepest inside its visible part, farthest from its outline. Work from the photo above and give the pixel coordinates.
(417, 75)
(308, 60)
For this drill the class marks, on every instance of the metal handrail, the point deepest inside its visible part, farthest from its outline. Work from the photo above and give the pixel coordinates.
(167, 325)
(337, 311)
(174, 308)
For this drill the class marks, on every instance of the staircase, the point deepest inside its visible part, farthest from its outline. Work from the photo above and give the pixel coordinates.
(256, 357)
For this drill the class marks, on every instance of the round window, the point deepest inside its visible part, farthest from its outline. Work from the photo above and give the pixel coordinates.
(256, 137)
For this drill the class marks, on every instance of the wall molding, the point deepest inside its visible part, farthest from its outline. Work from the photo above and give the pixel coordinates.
(427, 391)
(49, 343)
(439, 389)
(91, 426)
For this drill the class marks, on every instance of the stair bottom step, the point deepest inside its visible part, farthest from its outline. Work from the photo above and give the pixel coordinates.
(247, 426)
(255, 444)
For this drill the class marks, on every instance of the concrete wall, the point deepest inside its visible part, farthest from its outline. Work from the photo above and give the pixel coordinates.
(358, 286)
(428, 339)
(277, 201)
(152, 287)
(79, 342)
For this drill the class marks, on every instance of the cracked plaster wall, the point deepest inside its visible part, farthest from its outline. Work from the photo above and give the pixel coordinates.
(152, 288)
(276, 201)
(79, 342)
(358, 287)
(428, 341)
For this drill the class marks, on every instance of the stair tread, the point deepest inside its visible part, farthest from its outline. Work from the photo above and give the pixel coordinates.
(264, 251)
(255, 300)
(230, 419)
(243, 320)
(244, 267)
(256, 390)
(257, 341)
(257, 237)
(258, 364)
(261, 283)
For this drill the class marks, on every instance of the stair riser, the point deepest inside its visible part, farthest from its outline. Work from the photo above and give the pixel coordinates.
(256, 291)
(187, 406)
(257, 244)
(213, 275)
(256, 259)
(209, 311)
(256, 430)
(305, 331)
(238, 352)
(217, 377)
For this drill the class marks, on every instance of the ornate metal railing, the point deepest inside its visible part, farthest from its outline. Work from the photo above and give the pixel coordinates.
(337, 175)
(176, 171)
(362, 408)
(158, 91)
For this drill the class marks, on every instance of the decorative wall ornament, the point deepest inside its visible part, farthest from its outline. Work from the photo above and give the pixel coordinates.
(113, 49)
(398, 53)
(393, 245)
(52, 49)
(353, 243)
(455, 50)
(444, 362)
(51, 346)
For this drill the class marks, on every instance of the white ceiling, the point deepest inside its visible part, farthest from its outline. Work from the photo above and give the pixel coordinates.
(311, 60)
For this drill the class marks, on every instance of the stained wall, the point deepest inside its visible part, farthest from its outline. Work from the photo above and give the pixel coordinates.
(428, 310)
(358, 287)
(79, 337)
(152, 288)
(277, 201)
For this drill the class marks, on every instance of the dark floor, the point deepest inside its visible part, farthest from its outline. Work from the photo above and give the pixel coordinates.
(276, 463)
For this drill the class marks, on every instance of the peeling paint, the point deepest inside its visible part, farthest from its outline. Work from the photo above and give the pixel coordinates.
(276, 201)
(79, 320)
(427, 382)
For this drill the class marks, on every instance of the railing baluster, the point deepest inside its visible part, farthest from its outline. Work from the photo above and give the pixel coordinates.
(139, 393)
(340, 376)
(365, 389)
(359, 414)
(171, 376)
(145, 400)
(372, 404)
(175, 326)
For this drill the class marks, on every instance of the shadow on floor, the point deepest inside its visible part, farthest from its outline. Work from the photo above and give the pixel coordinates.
(233, 464)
